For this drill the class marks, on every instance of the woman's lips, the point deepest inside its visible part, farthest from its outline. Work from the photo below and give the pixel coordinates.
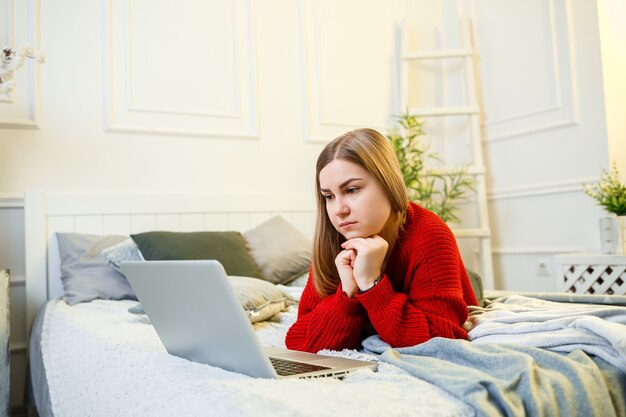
(346, 225)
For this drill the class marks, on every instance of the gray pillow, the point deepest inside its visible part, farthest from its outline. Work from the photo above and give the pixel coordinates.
(260, 299)
(85, 273)
(281, 251)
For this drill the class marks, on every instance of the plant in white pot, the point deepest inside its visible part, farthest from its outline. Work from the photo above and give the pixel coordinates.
(610, 193)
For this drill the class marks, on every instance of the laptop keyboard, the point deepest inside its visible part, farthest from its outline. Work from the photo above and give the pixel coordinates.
(285, 368)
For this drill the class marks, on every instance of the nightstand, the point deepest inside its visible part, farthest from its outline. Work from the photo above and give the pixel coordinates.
(5, 364)
(590, 273)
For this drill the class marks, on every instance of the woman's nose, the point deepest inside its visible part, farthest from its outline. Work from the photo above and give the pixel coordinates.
(342, 208)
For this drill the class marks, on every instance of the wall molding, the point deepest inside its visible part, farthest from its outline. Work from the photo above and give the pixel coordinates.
(123, 115)
(536, 250)
(535, 190)
(11, 201)
(130, 99)
(515, 134)
(316, 126)
(557, 87)
(563, 112)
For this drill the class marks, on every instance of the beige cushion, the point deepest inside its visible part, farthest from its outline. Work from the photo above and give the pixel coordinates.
(260, 299)
(281, 251)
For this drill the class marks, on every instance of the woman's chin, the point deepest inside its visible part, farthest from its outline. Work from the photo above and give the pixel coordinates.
(353, 234)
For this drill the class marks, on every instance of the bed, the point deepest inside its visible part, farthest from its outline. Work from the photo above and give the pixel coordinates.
(528, 354)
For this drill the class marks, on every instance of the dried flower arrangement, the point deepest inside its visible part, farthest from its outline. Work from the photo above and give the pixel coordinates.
(11, 61)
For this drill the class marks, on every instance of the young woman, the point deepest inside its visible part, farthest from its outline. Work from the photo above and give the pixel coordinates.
(380, 264)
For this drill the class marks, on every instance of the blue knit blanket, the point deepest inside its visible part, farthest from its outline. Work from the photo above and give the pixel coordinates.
(514, 377)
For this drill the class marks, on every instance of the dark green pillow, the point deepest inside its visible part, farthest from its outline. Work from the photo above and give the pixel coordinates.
(229, 248)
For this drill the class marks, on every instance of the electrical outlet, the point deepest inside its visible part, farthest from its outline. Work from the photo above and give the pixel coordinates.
(543, 268)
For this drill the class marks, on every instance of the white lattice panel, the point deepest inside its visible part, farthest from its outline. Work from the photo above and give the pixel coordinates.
(600, 274)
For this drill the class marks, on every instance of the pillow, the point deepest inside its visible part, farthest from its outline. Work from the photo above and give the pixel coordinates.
(260, 299)
(126, 250)
(299, 281)
(280, 250)
(477, 285)
(85, 273)
(229, 248)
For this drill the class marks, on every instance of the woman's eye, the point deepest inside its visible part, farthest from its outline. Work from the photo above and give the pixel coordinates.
(352, 190)
(327, 196)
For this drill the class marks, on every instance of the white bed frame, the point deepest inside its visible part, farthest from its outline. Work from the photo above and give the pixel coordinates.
(103, 214)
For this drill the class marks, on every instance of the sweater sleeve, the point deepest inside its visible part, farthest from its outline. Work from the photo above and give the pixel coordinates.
(335, 322)
(433, 306)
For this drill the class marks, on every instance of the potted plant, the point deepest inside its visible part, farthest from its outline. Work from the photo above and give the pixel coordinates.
(610, 193)
(438, 191)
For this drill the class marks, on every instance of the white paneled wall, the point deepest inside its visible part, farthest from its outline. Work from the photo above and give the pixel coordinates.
(543, 99)
(540, 96)
(181, 70)
(545, 132)
(214, 96)
(345, 47)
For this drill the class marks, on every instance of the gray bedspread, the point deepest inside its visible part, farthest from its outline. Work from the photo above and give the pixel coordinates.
(512, 380)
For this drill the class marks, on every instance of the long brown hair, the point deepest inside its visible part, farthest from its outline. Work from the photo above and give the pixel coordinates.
(371, 151)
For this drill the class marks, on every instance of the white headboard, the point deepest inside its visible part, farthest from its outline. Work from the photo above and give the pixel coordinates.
(104, 214)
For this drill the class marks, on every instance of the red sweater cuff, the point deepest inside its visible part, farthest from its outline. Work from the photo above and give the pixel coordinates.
(348, 306)
(377, 297)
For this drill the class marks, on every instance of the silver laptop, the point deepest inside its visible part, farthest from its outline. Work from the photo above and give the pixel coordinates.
(198, 317)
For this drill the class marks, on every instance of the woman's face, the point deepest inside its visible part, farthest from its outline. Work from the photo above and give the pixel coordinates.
(355, 201)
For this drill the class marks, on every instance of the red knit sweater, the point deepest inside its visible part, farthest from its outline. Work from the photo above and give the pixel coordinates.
(424, 293)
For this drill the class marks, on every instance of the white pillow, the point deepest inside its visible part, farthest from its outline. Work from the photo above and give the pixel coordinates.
(126, 250)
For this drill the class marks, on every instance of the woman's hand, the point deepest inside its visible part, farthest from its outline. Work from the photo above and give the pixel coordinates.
(370, 254)
(344, 262)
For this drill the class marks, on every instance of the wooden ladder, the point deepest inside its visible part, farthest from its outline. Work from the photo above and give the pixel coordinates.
(472, 110)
